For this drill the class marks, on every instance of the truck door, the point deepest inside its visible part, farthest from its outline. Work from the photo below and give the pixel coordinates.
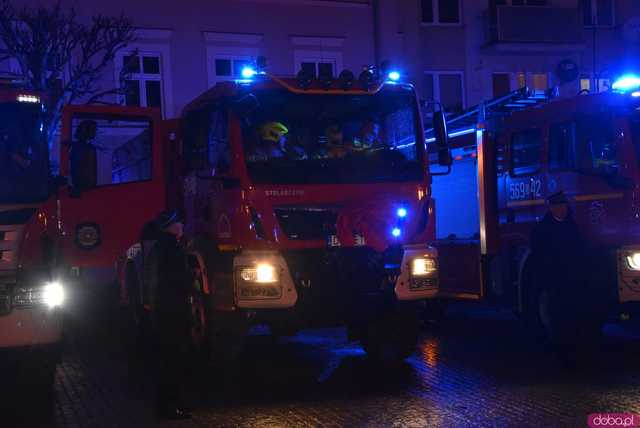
(113, 159)
(586, 155)
(522, 202)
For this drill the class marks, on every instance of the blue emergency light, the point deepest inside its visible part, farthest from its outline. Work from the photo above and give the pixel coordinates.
(396, 232)
(401, 212)
(394, 76)
(248, 72)
(626, 83)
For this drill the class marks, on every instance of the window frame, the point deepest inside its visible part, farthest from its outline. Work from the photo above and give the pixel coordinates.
(152, 159)
(529, 170)
(232, 53)
(323, 56)
(164, 77)
(594, 15)
(436, 84)
(436, 16)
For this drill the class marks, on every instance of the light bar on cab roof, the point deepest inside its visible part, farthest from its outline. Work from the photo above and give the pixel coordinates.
(626, 83)
(25, 98)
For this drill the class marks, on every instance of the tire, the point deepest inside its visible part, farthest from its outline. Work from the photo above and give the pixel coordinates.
(391, 338)
(217, 337)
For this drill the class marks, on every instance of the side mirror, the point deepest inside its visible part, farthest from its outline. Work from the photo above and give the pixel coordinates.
(84, 166)
(442, 138)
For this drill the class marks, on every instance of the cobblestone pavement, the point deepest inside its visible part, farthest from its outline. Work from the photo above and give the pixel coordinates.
(467, 372)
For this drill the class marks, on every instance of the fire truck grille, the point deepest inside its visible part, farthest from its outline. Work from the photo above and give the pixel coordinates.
(307, 223)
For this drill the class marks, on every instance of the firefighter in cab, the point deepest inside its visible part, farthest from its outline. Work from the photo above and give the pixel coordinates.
(169, 281)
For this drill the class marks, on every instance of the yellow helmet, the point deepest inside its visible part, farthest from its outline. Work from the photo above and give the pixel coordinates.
(273, 131)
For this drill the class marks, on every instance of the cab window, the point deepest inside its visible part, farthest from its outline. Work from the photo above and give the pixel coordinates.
(207, 147)
(108, 150)
(596, 145)
(562, 137)
(525, 151)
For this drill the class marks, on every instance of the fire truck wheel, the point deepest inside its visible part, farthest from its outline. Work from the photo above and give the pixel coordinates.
(392, 338)
(216, 337)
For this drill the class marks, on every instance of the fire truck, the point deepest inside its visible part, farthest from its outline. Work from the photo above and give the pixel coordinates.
(31, 294)
(513, 152)
(307, 204)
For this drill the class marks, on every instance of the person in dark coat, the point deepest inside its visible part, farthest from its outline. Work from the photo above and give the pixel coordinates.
(561, 268)
(169, 281)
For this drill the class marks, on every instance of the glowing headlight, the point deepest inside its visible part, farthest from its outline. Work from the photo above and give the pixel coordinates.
(23, 98)
(633, 261)
(423, 266)
(263, 273)
(53, 294)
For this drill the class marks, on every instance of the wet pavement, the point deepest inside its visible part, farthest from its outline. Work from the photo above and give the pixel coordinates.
(474, 368)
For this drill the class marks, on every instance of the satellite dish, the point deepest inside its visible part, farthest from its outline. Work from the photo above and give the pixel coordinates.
(567, 71)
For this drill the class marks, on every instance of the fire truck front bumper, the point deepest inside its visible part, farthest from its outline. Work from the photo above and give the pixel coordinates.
(31, 327)
(272, 280)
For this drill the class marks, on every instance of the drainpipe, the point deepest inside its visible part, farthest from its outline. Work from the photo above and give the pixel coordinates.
(375, 5)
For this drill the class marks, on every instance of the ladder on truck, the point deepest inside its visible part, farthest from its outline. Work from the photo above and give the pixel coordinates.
(467, 121)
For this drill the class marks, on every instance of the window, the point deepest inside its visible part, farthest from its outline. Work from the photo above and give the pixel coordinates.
(445, 87)
(562, 137)
(207, 141)
(598, 13)
(525, 151)
(318, 63)
(501, 84)
(540, 81)
(230, 68)
(316, 69)
(119, 148)
(441, 11)
(596, 145)
(586, 83)
(143, 84)
(537, 81)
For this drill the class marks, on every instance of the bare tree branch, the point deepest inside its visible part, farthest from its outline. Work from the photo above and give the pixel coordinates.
(61, 56)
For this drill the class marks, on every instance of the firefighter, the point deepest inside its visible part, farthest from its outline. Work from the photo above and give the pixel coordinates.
(560, 261)
(84, 166)
(271, 142)
(169, 282)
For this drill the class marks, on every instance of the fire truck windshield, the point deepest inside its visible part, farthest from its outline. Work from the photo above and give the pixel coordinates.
(314, 139)
(23, 154)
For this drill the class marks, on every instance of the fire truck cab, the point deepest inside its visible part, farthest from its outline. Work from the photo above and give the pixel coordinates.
(510, 154)
(31, 295)
(307, 204)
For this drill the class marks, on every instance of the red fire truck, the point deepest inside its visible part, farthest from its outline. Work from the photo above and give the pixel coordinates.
(510, 154)
(31, 294)
(307, 204)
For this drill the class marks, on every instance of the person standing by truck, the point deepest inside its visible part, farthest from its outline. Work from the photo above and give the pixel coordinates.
(565, 301)
(169, 281)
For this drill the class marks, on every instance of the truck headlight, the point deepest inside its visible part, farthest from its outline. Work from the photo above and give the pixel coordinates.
(633, 261)
(53, 294)
(263, 273)
(50, 294)
(423, 266)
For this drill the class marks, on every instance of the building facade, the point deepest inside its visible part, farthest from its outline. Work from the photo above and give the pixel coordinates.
(457, 52)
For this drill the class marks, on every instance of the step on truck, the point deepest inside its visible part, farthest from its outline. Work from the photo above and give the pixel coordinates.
(509, 155)
(307, 204)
